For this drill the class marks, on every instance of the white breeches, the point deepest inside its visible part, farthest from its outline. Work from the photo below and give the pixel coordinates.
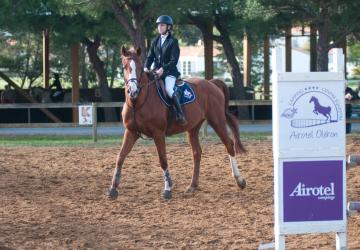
(169, 85)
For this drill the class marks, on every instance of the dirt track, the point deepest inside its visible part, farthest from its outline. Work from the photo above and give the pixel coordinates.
(54, 198)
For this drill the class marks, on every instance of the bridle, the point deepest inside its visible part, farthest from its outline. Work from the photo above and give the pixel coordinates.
(137, 81)
(139, 86)
(132, 105)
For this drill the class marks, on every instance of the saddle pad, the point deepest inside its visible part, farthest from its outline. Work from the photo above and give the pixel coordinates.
(187, 94)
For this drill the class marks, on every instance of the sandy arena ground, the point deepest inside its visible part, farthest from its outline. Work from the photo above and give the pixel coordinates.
(53, 198)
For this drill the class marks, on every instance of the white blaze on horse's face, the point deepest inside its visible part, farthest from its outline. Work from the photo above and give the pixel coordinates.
(132, 84)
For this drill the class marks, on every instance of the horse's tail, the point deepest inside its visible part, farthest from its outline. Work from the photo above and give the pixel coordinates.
(230, 118)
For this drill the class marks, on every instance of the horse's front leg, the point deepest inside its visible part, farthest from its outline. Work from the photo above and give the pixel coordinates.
(127, 144)
(193, 137)
(161, 149)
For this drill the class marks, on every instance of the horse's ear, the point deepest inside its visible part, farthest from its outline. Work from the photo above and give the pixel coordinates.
(124, 51)
(138, 51)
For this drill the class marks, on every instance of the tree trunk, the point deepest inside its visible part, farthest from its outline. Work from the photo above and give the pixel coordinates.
(344, 48)
(98, 65)
(237, 77)
(266, 67)
(114, 65)
(231, 58)
(139, 42)
(32, 80)
(235, 72)
(208, 53)
(135, 27)
(324, 41)
(288, 50)
(313, 42)
(84, 80)
(27, 64)
(323, 49)
(46, 58)
(27, 68)
(36, 74)
(224, 40)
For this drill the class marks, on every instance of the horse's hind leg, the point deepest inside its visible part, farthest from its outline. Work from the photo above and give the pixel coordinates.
(219, 125)
(193, 137)
(127, 144)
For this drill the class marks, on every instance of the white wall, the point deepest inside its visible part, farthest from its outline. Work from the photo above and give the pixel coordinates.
(300, 61)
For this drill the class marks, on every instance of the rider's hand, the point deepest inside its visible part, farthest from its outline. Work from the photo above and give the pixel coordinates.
(348, 96)
(160, 71)
(146, 70)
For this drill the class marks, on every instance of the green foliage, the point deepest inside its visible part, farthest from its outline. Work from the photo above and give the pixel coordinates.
(354, 51)
(68, 22)
(258, 18)
(20, 55)
(341, 17)
(188, 35)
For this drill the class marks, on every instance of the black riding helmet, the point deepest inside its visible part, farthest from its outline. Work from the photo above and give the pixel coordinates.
(165, 19)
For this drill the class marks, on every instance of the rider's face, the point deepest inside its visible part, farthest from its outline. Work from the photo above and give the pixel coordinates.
(162, 28)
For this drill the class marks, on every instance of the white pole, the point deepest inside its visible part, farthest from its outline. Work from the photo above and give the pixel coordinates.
(338, 60)
(279, 242)
(341, 241)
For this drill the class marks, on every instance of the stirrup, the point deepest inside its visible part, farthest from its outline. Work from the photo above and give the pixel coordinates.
(181, 119)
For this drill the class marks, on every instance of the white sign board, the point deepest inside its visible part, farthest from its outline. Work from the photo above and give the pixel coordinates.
(85, 115)
(309, 154)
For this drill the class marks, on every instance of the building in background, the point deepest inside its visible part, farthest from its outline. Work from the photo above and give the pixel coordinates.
(192, 60)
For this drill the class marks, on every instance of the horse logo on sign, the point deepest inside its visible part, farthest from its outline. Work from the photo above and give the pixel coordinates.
(318, 109)
(313, 106)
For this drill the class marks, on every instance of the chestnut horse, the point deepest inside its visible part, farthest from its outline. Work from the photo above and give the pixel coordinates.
(145, 113)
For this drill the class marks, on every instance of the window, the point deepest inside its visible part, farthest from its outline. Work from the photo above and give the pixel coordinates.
(183, 68)
(186, 68)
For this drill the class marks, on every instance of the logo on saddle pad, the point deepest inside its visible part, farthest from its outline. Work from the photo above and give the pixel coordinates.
(313, 106)
(187, 94)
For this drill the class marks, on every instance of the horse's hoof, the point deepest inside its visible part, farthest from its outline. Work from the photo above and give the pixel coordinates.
(112, 193)
(166, 194)
(241, 182)
(190, 190)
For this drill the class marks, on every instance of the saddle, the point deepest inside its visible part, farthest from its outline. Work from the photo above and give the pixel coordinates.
(187, 93)
(160, 84)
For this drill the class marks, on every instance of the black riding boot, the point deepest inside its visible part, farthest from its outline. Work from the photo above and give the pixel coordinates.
(180, 117)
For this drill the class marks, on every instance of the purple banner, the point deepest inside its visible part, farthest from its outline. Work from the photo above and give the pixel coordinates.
(313, 191)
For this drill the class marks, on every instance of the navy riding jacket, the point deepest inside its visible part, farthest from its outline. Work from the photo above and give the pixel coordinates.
(165, 56)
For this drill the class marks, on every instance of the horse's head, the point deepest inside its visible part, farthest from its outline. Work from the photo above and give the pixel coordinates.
(312, 99)
(133, 71)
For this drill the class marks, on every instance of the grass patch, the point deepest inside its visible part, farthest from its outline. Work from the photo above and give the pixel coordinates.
(57, 140)
(104, 140)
